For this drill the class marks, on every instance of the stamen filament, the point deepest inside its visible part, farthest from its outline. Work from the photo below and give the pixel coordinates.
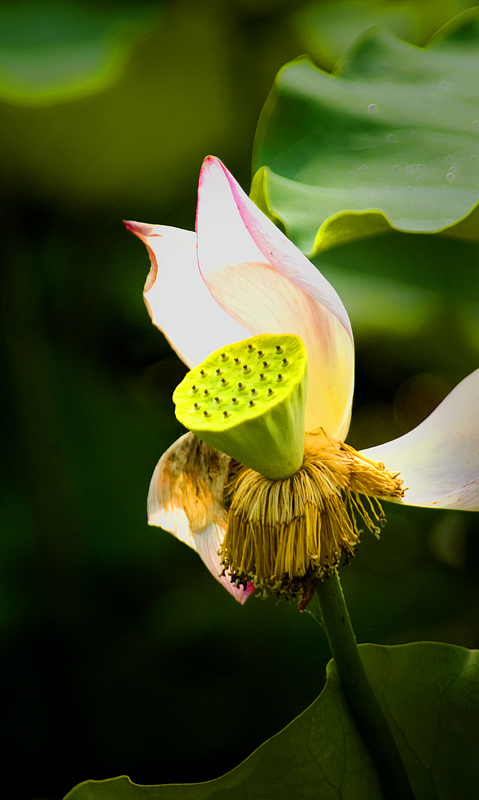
(285, 534)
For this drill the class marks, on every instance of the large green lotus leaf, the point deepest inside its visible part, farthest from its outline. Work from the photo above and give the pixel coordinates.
(391, 140)
(429, 693)
(57, 51)
(328, 28)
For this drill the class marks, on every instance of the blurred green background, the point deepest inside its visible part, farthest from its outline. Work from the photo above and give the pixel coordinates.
(119, 653)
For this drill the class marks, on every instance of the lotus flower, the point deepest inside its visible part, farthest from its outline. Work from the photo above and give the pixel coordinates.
(238, 276)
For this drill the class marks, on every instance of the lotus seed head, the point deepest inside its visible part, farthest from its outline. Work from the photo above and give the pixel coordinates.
(266, 432)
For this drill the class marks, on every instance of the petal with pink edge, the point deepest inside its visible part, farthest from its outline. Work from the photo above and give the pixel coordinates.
(268, 286)
(439, 460)
(186, 499)
(208, 542)
(177, 298)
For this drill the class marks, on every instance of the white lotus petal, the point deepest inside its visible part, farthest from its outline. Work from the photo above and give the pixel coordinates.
(268, 286)
(220, 197)
(208, 542)
(177, 298)
(439, 460)
(186, 499)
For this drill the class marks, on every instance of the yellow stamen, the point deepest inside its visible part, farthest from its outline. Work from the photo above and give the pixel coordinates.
(284, 534)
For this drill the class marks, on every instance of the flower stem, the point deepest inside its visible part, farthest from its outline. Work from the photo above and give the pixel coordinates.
(360, 696)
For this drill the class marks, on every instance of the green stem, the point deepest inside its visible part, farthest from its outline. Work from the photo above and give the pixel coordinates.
(361, 699)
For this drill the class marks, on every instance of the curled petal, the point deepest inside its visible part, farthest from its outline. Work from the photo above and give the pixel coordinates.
(439, 460)
(186, 499)
(177, 298)
(268, 286)
(208, 542)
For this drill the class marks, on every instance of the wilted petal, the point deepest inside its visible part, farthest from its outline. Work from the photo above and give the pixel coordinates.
(439, 460)
(186, 499)
(208, 542)
(177, 298)
(268, 286)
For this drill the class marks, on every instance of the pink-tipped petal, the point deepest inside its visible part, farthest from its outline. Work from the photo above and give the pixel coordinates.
(439, 460)
(268, 286)
(208, 542)
(186, 499)
(177, 298)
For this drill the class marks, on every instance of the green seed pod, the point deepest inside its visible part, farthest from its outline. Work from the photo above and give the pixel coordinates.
(247, 400)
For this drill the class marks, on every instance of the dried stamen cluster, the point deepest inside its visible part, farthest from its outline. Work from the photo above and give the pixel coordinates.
(286, 534)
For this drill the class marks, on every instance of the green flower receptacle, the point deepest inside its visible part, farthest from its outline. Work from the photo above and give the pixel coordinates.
(247, 400)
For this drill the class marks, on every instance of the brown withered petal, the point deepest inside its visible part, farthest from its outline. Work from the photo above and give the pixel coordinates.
(186, 499)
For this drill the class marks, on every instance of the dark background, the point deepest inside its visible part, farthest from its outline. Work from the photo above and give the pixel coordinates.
(119, 654)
